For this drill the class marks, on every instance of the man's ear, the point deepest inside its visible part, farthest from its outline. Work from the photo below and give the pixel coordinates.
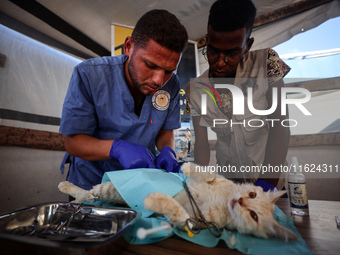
(206, 39)
(128, 46)
(250, 43)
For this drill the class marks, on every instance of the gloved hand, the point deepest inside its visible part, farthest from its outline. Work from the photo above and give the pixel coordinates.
(131, 155)
(167, 160)
(266, 186)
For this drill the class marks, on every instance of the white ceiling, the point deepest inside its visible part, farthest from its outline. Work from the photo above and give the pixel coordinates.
(94, 18)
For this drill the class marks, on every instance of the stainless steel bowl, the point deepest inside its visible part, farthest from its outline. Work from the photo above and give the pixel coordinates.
(66, 224)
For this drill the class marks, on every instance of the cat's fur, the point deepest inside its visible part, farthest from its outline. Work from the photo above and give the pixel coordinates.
(182, 155)
(221, 201)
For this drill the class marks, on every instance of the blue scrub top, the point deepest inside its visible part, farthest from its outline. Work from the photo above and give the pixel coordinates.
(99, 103)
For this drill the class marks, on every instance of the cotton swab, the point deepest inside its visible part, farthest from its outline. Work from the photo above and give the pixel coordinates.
(142, 232)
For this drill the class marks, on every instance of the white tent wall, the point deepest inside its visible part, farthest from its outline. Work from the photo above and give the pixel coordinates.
(34, 81)
(33, 84)
(280, 31)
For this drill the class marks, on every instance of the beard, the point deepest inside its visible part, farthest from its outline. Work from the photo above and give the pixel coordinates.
(132, 70)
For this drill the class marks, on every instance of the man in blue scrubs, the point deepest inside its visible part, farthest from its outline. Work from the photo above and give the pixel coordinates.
(118, 109)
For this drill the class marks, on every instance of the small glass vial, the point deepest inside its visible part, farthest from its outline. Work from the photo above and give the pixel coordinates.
(297, 191)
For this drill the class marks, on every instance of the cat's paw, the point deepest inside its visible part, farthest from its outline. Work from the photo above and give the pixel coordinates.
(66, 187)
(167, 205)
(79, 194)
(152, 201)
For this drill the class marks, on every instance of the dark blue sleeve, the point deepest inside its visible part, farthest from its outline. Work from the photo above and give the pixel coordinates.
(78, 115)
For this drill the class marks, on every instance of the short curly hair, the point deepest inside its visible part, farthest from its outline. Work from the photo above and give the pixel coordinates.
(163, 27)
(230, 15)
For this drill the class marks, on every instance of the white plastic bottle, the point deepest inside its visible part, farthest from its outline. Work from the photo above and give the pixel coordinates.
(297, 191)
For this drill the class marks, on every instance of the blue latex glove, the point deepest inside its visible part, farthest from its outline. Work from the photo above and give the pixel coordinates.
(131, 155)
(167, 160)
(266, 186)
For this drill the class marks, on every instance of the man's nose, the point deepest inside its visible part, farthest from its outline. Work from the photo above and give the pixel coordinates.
(158, 77)
(221, 61)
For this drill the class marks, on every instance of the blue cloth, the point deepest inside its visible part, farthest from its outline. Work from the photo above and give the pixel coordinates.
(134, 185)
(266, 186)
(98, 103)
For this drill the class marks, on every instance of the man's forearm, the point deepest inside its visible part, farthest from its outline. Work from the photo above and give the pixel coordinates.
(87, 147)
(165, 138)
(201, 148)
(276, 151)
(277, 146)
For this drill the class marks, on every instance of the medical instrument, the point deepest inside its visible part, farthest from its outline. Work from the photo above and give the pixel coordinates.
(142, 232)
(193, 225)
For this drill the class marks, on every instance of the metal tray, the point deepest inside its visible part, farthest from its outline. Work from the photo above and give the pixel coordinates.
(66, 224)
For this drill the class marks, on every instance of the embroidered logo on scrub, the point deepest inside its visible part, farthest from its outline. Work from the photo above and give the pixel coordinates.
(161, 100)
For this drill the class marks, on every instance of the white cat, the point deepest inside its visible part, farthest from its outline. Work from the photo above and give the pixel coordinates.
(242, 207)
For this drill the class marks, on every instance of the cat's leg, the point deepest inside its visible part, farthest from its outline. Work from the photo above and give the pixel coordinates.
(107, 192)
(104, 192)
(167, 205)
(197, 172)
(79, 194)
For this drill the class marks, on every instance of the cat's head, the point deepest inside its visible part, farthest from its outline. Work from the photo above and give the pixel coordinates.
(252, 213)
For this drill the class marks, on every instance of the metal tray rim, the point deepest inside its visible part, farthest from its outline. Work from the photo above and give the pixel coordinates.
(69, 243)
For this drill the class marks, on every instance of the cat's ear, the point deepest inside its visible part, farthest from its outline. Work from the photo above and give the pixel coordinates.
(281, 232)
(275, 195)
